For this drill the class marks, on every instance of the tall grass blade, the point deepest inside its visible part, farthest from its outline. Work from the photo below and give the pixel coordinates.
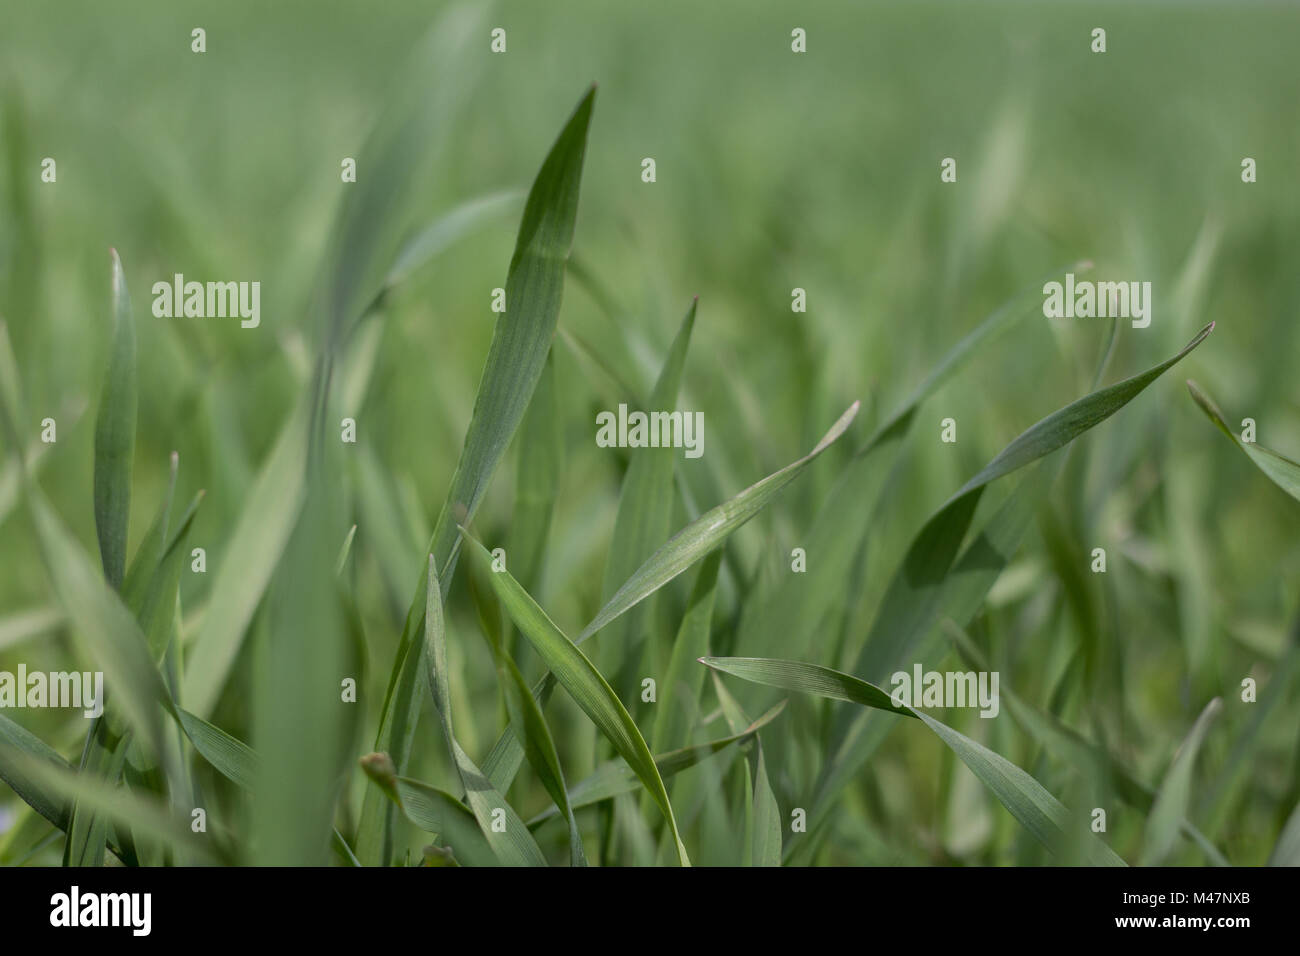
(585, 685)
(115, 436)
(1036, 809)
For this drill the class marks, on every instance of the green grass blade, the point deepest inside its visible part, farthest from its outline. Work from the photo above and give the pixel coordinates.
(707, 532)
(260, 536)
(1282, 471)
(31, 789)
(1063, 426)
(1287, 850)
(1069, 745)
(516, 358)
(693, 542)
(530, 727)
(644, 517)
(615, 777)
(448, 229)
(784, 620)
(1174, 796)
(537, 481)
(432, 810)
(516, 846)
(118, 804)
(424, 101)
(683, 681)
(115, 436)
(1027, 800)
(764, 817)
(584, 683)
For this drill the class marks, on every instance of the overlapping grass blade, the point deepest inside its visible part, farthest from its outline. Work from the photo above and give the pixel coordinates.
(252, 553)
(516, 358)
(115, 436)
(1282, 471)
(693, 542)
(585, 685)
(644, 517)
(784, 619)
(516, 846)
(1175, 794)
(1069, 745)
(531, 729)
(118, 804)
(615, 777)
(763, 839)
(683, 681)
(1036, 809)
(707, 532)
(432, 810)
(932, 582)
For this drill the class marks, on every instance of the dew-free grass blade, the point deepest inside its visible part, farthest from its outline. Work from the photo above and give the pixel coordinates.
(516, 358)
(763, 820)
(1282, 471)
(693, 542)
(784, 620)
(683, 681)
(1070, 746)
(584, 683)
(448, 229)
(1287, 850)
(125, 808)
(432, 810)
(615, 777)
(1175, 794)
(644, 517)
(531, 729)
(933, 582)
(516, 846)
(707, 532)
(251, 554)
(41, 798)
(115, 436)
(1027, 800)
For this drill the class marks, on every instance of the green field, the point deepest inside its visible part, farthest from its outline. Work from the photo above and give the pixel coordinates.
(774, 171)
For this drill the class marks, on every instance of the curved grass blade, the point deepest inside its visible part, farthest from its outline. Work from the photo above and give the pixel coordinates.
(118, 804)
(784, 620)
(615, 777)
(1036, 809)
(584, 683)
(516, 846)
(1175, 795)
(763, 821)
(32, 790)
(693, 542)
(448, 229)
(432, 810)
(115, 436)
(539, 747)
(928, 584)
(644, 517)
(516, 358)
(1282, 471)
(1072, 747)
(707, 532)
(261, 535)
(683, 681)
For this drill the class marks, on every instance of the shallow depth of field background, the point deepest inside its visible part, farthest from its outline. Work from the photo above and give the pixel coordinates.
(775, 170)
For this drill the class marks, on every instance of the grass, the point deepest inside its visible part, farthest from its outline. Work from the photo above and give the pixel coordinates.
(338, 687)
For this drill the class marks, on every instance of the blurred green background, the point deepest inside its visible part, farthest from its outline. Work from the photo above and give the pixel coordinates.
(774, 171)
